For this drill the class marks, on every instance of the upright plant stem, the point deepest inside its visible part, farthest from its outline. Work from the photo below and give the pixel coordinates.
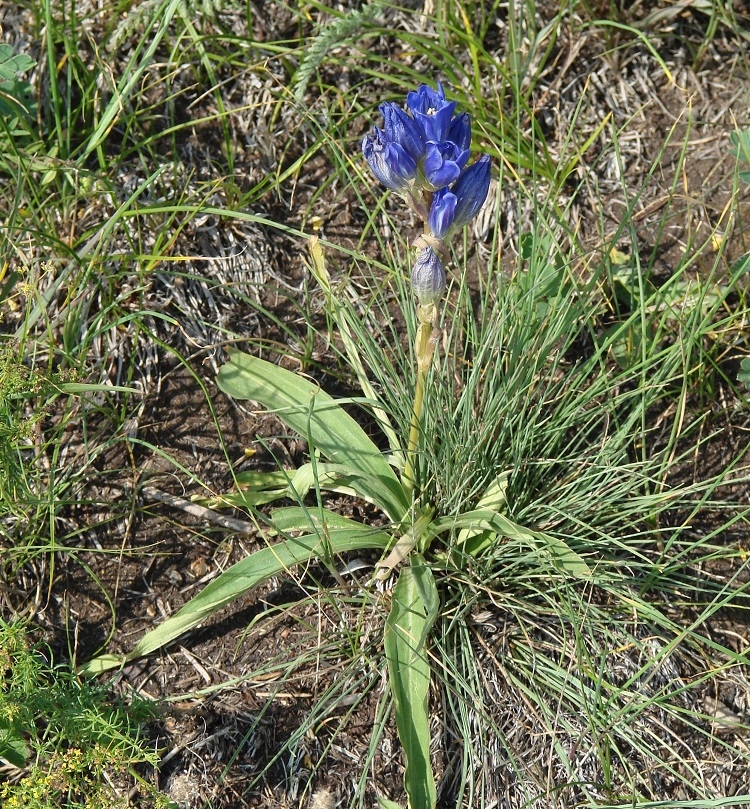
(424, 348)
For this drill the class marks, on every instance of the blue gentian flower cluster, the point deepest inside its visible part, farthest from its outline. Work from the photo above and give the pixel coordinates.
(422, 155)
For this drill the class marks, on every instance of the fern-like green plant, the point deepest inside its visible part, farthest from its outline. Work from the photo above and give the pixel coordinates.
(66, 734)
(330, 35)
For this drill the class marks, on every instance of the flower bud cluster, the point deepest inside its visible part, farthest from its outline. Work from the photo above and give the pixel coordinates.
(422, 155)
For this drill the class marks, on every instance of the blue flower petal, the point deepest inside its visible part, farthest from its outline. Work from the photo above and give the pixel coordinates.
(400, 128)
(426, 98)
(460, 131)
(471, 190)
(442, 164)
(442, 212)
(436, 123)
(432, 111)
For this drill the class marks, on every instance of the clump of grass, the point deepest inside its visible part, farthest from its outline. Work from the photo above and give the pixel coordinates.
(529, 396)
(15, 428)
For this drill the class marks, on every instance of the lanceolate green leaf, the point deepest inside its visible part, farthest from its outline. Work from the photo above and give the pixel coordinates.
(336, 477)
(474, 523)
(384, 803)
(294, 518)
(494, 498)
(257, 488)
(312, 413)
(562, 556)
(414, 609)
(237, 580)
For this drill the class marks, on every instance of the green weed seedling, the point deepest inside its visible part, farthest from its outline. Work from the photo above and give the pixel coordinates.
(68, 735)
(16, 95)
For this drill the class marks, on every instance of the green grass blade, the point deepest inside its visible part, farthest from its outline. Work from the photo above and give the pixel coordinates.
(643, 38)
(85, 387)
(351, 345)
(315, 415)
(131, 76)
(414, 609)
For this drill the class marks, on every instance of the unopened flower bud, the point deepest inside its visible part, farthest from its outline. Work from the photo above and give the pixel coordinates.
(471, 191)
(460, 131)
(454, 207)
(442, 213)
(428, 277)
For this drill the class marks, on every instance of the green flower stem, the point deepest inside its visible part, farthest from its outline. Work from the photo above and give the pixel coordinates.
(424, 347)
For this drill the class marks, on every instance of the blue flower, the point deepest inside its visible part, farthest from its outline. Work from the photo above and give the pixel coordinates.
(432, 111)
(402, 129)
(442, 212)
(428, 277)
(443, 163)
(422, 154)
(389, 161)
(453, 208)
(471, 189)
